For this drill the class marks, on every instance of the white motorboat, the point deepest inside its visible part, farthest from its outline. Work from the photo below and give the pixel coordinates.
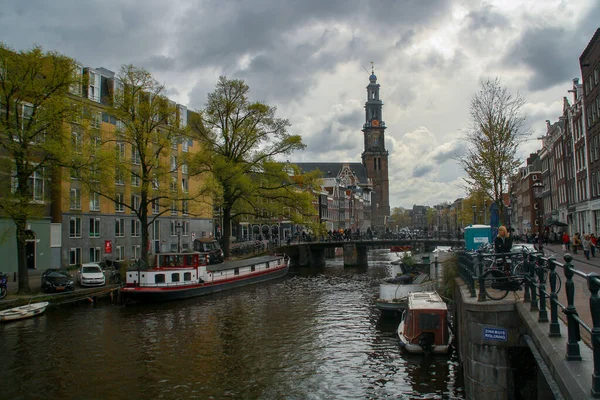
(27, 311)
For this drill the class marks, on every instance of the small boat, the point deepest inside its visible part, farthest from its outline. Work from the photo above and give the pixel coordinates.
(393, 292)
(183, 275)
(424, 327)
(400, 249)
(27, 311)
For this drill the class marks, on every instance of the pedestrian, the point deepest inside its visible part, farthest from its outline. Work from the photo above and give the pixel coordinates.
(503, 244)
(576, 242)
(586, 243)
(594, 241)
(566, 241)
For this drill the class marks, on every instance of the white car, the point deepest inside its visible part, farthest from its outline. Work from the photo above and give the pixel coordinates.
(91, 275)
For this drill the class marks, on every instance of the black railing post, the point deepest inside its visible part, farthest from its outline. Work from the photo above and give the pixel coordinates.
(594, 286)
(574, 337)
(534, 302)
(528, 286)
(481, 282)
(554, 326)
(543, 314)
(471, 272)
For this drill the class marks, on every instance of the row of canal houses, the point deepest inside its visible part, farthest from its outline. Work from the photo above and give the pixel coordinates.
(568, 164)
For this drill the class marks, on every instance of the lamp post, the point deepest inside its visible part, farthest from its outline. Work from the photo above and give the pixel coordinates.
(484, 211)
(474, 208)
(178, 232)
(538, 188)
(508, 213)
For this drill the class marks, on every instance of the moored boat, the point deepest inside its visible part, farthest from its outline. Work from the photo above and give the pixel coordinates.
(26, 311)
(183, 275)
(424, 327)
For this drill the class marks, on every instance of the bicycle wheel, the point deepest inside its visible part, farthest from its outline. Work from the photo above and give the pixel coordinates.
(519, 269)
(558, 283)
(493, 280)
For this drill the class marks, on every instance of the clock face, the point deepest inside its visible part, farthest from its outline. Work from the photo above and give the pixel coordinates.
(375, 122)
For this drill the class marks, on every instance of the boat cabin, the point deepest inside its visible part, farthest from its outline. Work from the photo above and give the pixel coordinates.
(180, 260)
(426, 318)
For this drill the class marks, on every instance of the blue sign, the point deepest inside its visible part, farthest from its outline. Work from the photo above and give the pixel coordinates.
(494, 334)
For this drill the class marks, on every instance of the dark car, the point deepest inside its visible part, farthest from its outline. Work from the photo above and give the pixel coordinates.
(210, 246)
(57, 280)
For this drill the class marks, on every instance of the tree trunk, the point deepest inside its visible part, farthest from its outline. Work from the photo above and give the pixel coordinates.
(22, 259)
(226, 229)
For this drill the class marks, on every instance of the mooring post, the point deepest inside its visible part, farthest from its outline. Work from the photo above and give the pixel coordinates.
(554, 326)
(573, 353)
(543, 314)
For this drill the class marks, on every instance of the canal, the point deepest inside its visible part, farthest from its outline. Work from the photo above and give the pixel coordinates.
(315, 334)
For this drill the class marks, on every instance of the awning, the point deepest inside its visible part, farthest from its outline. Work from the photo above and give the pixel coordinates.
(555, 222)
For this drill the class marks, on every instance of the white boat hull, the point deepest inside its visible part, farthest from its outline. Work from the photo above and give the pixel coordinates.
(416, 349)
(27, 311)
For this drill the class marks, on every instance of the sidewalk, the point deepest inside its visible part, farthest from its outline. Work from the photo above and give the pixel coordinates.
(582, 294)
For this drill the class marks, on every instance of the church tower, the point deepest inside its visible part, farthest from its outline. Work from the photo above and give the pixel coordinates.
(375, 156)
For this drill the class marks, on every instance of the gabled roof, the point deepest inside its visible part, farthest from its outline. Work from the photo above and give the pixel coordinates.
(332, 170)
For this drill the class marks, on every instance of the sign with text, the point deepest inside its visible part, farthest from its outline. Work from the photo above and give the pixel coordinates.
(497, 334)
(483, 239)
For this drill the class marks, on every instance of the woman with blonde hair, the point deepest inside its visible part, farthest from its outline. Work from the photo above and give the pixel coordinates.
(503, 242)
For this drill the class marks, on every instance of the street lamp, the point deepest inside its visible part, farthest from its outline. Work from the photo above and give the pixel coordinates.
(178, 232)
(509, 214)
(538, 188)
(484, 211)
(474, 208)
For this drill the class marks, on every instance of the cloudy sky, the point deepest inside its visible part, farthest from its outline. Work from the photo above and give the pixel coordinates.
(308, 58)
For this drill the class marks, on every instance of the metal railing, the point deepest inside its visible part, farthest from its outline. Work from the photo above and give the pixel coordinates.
(471, 266)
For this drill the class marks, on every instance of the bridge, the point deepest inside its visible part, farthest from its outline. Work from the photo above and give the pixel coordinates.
(542, 343)
(312, 254)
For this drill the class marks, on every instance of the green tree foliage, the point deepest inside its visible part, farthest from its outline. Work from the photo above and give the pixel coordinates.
(240, 142)
(34, 105)
(493, 138)
(143, 151)
(401, 217)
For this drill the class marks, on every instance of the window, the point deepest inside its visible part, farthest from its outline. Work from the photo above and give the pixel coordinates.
(94, 227)
(76, 141)
(95, 119)
(74, 227)
(119, 207)
(135, 201)
(155, 184)
(94, 87)
(135, 178)
(184, 145)
(135, 156)
(173, 230)
(174, 142)
(75, 88)
(120, 148)
(119, 177)
(184, 185)
(175, 277)
(184, 168)
(187, 276)
(173, 184)
(120, 253)
(95, 254)
(75, 256)
(94, 201)
(159, 278)
(184, 207)
(37, 183)
(173, 163)
(136, 251)
(174, 207)
(155, 207)
(135, 228)
(182, 115)
(185, 231)
(120, 227)
(75, 200)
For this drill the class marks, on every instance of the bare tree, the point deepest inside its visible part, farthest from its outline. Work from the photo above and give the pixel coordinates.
(496, 130)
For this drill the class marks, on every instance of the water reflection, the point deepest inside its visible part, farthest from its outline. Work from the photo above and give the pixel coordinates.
(315, 334)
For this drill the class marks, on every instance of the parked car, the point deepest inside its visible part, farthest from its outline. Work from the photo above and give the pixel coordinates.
(57, 280)
(210, 246)
(91, 275)
(520, 247)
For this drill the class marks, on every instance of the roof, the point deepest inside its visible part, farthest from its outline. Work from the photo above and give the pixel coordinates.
(426, 300)
(332, 169)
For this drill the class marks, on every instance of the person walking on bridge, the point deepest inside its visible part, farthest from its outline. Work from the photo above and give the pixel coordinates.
(566, 241)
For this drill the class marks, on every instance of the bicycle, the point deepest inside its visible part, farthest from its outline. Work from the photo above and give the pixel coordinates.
(497, 283)
(519, 270)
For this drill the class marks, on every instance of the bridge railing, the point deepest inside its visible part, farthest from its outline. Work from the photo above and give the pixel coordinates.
(539, 271)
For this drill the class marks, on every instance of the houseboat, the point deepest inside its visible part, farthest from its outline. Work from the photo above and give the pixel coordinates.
(182, 275)
(424, 327)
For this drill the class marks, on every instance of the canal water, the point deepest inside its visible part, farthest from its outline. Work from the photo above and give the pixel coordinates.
(315, 334)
